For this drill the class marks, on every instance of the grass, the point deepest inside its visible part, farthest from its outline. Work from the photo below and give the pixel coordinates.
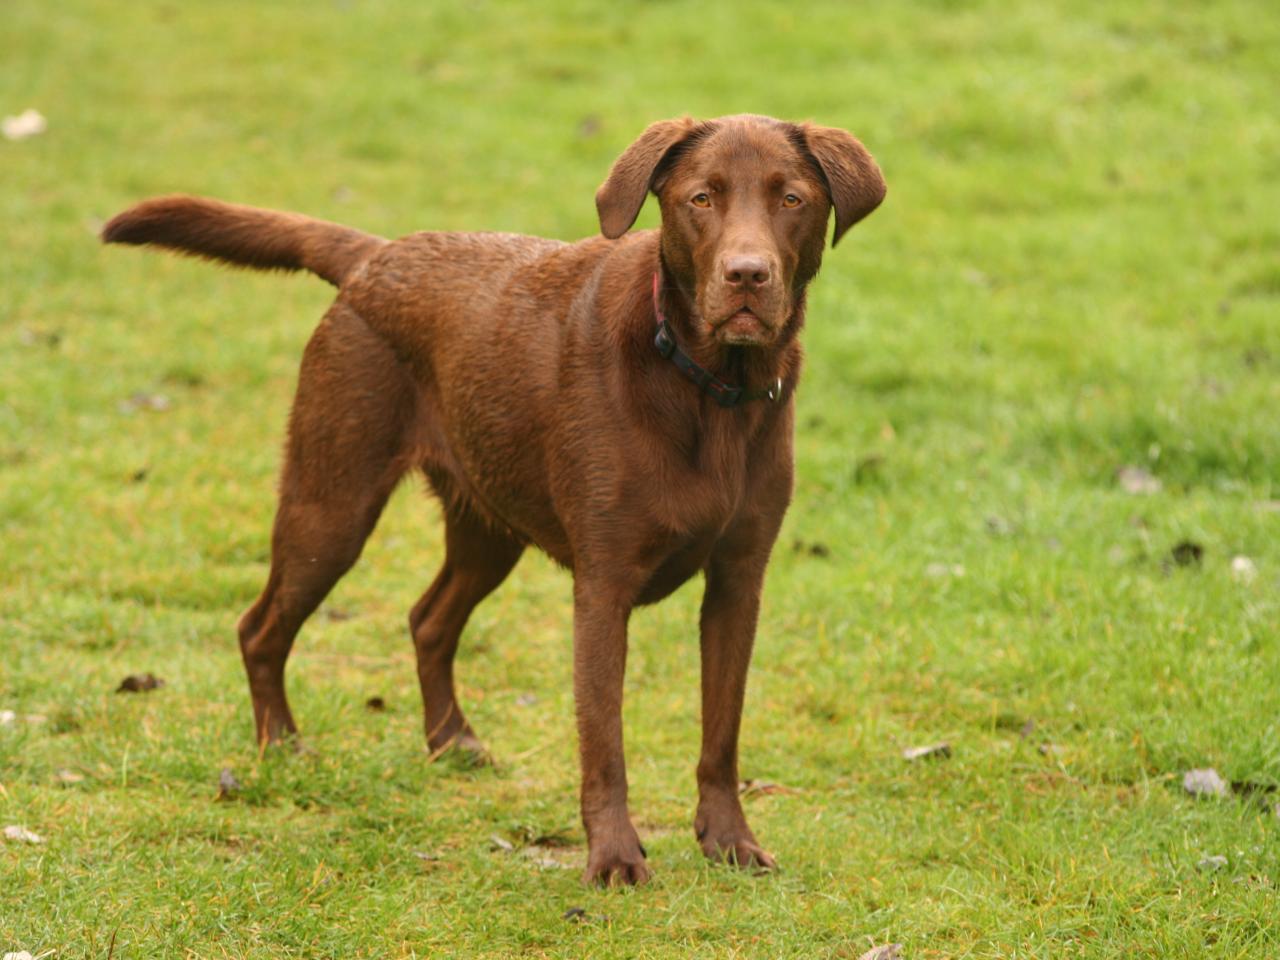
(1078, 269)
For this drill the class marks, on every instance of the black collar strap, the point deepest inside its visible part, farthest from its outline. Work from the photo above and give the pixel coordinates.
(724, 394)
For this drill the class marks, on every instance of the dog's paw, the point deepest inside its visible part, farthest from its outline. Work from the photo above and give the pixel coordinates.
(616, 864)
(743, 852)
(724, 836)
(464, 751)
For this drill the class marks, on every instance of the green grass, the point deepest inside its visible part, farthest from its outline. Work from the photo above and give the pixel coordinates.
(1077, 269)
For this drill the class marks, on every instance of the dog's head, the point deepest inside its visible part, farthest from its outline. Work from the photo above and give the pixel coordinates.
(745, 202)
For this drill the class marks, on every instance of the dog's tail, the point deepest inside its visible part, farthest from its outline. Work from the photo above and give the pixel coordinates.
(249, 236)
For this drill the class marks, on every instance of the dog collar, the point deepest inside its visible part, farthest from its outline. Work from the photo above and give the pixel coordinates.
(726, 395)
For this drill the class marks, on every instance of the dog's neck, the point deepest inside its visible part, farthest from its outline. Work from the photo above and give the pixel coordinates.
(751, 368)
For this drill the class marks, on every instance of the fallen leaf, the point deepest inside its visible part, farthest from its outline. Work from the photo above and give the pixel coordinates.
(1138, 481)
(337, 615)
(426, 857)
(888, 951)
(139, 683)
(750, 787)
(9, 717)
(540, 859)
(1204, 782)
(376, 704)
(998, 526)
(145, 401)
(934, 751)
(68, 776)
(28, 123)
(19, 955)
(500, 843)
(1210, 864)
(228, 785)
(21, 835)
(1243, 569)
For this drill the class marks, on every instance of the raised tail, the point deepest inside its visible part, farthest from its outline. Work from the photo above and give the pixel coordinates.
(248, 236)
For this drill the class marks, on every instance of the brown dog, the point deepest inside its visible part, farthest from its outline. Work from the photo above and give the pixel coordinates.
(624, 403)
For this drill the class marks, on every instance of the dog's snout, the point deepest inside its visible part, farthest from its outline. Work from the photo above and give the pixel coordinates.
(746, 271)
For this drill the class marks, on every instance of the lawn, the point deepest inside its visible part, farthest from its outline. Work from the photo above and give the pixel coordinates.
(1076, 273)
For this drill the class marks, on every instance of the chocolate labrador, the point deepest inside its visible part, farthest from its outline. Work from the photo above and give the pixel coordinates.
(624, 403)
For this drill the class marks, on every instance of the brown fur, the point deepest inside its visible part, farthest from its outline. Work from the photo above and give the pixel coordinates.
(520, 376)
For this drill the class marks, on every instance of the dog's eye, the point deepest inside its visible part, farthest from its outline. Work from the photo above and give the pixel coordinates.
(701, 200)
(791, 200)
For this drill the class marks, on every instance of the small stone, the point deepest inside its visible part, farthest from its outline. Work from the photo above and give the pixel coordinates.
(888, 951)
(934, 751)
(21, 835)
(1205, 782)
(28, 123)
(1243, 569)
(500, 843)
(1138, 481)
(68, 776)
(1211, 864)
(228, 785)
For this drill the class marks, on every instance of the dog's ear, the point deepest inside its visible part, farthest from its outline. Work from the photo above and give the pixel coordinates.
(620, 197)
(854, 180)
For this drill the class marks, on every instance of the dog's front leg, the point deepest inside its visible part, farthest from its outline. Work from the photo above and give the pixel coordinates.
(614, 854)
(730, 607)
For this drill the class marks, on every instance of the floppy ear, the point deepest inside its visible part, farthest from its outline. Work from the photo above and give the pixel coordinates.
(855, 182)
(620, 197)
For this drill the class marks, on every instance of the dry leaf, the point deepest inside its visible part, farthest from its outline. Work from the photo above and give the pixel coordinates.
(750, 787)
(139, 683)
(934, 751)
(21, 835)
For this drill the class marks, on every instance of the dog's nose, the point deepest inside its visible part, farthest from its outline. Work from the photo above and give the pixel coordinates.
(746, 271)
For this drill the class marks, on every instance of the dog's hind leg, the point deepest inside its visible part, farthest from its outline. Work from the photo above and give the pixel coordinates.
(344, 456)
(477, 559)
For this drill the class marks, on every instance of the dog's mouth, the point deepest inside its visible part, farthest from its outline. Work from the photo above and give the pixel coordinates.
(743, 327)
